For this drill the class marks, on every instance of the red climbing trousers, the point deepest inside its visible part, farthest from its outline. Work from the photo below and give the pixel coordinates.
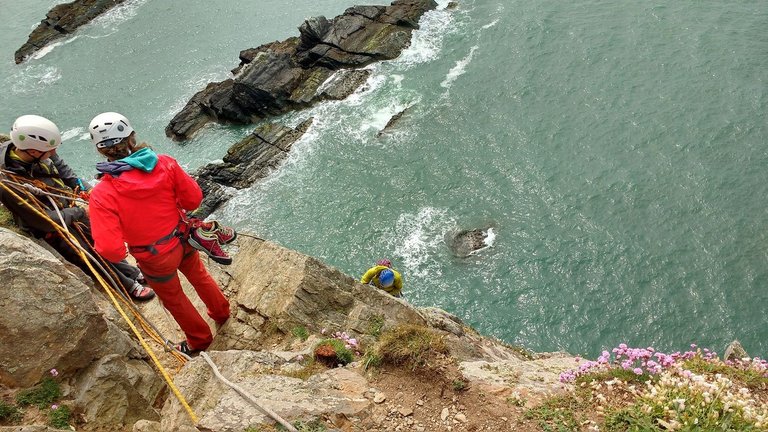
(161, 273)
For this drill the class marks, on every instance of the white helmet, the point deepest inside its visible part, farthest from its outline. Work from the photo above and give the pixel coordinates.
(108, 129)
(32, 132)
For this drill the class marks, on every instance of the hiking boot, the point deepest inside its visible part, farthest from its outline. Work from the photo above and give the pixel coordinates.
(209, 243)
(141, 293)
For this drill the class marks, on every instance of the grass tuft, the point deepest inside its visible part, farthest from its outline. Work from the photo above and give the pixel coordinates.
(42, 395)
(410, 345)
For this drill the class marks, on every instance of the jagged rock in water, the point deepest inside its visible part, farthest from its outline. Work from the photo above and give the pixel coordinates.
(61, 20)
(465, 242)
(391, 123)
(52, 317)
(278, 77)
(251, 159)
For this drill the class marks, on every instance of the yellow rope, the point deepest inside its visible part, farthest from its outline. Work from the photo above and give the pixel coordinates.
(73, 242)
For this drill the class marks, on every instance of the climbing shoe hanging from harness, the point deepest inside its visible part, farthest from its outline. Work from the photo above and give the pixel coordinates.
(208, 242)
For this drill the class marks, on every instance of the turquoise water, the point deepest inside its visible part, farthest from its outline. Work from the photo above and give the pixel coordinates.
(617, 149)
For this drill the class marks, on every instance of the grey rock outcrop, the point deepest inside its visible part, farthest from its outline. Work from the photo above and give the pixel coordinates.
(277, 289)
(287, 75)
(51, 317)
(63, 19)
(247, 161)
(333, 392)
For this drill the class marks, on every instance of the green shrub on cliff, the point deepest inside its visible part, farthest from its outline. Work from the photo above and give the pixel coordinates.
(410, 345)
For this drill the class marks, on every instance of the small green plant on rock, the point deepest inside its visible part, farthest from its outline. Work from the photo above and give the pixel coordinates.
(300, 332)
(41, 395)
(459, 385)
(375, 325)
(59, 416)
(9, 413)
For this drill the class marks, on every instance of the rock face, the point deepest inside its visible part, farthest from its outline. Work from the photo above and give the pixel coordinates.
(62, 20)
(51, 318)
(282, 76)
(247, 161)
(277, 289)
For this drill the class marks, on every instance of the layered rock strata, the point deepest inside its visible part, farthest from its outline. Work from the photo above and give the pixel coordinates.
(251, 159)
(318, 65)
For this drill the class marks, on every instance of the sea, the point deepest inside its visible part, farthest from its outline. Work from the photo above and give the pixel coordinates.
(613, 151)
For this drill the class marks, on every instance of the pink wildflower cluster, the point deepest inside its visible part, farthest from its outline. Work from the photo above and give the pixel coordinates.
(755, 363)
(638, 360)
(350, 343)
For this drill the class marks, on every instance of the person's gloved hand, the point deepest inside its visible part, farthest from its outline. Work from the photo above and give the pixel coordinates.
(34, 190)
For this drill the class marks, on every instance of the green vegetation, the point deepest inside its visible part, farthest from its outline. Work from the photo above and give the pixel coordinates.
(459, 385)
(558, 413)
(310, 368)
(60, 417)
(375, 325)
(42, 395)
(410, 345)
(371, 360)
(344, 355)
(9, 413)
(311, 426)
(752, 378)
(625, 375)
(300, 332)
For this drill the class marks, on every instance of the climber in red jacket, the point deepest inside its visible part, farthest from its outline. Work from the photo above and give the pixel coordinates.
(142, 200)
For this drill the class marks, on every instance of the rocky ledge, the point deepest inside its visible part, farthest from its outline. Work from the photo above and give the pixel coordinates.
(322, 63)
(284, 304)
(62, 20)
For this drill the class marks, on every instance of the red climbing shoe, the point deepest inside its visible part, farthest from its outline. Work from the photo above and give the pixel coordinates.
(209, 243)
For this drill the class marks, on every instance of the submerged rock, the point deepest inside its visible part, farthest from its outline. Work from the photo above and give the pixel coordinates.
(464, 243)
(391, 123)
(61, 20)
(278, 77)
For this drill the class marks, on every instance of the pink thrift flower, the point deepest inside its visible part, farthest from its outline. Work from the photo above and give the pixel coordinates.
(54, 407)
(323, 331)
(637, 371)
(54, 372)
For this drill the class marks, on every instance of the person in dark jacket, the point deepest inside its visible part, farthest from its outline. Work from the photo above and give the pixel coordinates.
(31, 156)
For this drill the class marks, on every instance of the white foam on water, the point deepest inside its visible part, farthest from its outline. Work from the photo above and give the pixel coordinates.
(419, 238)
(489, 240)
(48, 48)
(71, 133)
(33, 78)
(117, 15)
(427, 42)
(491, 24)
(459, 69)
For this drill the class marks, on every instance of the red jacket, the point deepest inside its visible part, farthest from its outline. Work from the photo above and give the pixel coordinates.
(139, 208)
